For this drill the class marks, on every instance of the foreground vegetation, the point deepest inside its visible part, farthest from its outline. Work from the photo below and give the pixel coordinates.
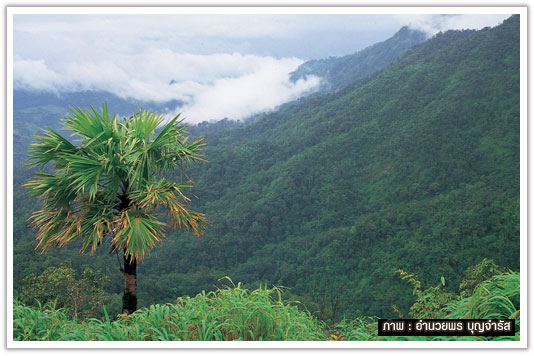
(236, 313)
(232, 313)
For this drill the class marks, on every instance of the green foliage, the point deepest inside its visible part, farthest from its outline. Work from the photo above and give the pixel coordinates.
(231, 313)
(81, 297)
(496, 298)
(39, 324)
(478, 273)
(332, 194)
(480, 294)
(429, 302)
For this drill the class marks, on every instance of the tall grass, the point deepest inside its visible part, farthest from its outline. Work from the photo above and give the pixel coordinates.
(42, 323)
(231, 313)
(236, 313)
(496, 298)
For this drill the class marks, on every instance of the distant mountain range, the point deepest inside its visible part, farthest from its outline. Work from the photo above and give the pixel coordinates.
(337, 72)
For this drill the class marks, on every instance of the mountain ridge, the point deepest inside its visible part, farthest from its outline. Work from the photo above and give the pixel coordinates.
(337, 72)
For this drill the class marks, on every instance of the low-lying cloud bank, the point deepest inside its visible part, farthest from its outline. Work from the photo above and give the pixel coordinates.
(211, 86)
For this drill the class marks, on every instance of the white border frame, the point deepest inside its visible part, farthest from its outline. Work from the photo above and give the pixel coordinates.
(522, 11)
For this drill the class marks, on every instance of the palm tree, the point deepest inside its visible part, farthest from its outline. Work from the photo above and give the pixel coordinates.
(111, 185)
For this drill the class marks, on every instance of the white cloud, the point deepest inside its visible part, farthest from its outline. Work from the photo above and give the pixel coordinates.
(261, 90)
(34, 74)
(212, 86)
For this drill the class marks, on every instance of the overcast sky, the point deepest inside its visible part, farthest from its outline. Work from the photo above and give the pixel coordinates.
(223, 65)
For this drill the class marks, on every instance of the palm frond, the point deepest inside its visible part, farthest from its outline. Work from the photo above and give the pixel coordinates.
(50, 146)
(171, 196)
(136, 233)
(52, 189)
(55, 228)
(164, 137)
(144, 124)
(85, 173)
(97, 222)
(88, 123)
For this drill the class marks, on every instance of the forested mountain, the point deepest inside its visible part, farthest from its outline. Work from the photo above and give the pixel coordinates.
(337, 72)
(415, 167)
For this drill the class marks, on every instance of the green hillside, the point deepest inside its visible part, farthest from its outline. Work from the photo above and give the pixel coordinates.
(415, 168)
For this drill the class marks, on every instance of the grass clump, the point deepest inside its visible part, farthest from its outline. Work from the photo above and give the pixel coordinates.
(495, 298)
(230, 313)
(39, 324)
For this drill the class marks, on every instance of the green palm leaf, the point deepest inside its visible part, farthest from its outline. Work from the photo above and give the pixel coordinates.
(50, 146)
(136, 233)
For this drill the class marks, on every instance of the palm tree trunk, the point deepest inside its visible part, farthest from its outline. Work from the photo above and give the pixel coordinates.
(129, 299)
